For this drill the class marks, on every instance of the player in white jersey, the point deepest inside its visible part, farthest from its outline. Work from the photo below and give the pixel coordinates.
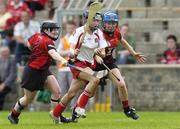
(84, 51)
(90, 42)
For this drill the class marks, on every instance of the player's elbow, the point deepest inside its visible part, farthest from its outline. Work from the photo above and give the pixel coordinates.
(52, 52)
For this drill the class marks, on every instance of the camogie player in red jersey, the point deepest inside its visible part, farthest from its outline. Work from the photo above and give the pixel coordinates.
(36, 74)
(113, 37)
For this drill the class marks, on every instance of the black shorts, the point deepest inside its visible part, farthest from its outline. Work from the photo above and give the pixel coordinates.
(34, 79)
(100, 67)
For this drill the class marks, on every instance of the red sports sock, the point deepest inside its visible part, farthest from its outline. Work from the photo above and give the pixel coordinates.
(83, 99)
(59, 109)
(125, 104)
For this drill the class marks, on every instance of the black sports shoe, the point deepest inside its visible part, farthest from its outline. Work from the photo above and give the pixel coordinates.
(60, 119)
(131, 112)
(65, 120)
(75, 117)
(13, 120)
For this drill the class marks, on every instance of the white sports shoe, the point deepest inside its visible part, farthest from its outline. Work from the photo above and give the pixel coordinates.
(80, 112)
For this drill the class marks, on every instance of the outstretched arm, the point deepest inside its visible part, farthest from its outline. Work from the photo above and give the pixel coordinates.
(126, 45)
(139, 57)
(55, 55)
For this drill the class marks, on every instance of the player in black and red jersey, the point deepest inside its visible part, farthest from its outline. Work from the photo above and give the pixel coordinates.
(36, 75)
(113, 37)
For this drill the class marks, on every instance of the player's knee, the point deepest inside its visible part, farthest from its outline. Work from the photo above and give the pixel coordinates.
(22, 102)
(56, 94)
(121, 84)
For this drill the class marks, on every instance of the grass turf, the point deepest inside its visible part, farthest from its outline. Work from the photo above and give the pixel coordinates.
(114, 120)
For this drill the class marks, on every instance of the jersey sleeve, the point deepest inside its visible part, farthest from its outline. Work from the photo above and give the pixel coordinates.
(47, 44)
(50, 45)
(32, 39)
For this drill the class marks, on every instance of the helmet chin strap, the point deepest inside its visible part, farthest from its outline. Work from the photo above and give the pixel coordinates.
(108, 32)
(48, 33)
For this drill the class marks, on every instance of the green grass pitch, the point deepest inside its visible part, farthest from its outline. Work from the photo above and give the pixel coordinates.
(113, 120)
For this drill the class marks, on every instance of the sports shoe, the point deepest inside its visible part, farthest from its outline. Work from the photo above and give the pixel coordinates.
(65, 120)
(56, 120)
(131, 113)
(13, 120)
(80, 112)
(59, 120)
(74, 116)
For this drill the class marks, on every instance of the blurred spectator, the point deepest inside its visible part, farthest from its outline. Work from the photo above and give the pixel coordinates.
(64, 73)
(36, 5)
(22, 31)
(51, 9)
(16, 7)
(77, 19)
(5, 34)
(172, 54)
(123, 56)
(8, 74)
(8, 40)
(4, 16)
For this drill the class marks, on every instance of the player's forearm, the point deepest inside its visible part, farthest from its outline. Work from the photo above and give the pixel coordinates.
(55, 55)
(128, 47)
(64, 53)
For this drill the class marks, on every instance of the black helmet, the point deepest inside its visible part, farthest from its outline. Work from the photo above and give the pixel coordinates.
(48, 26)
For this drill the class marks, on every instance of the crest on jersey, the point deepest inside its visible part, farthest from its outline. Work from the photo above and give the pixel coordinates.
(109, 50)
